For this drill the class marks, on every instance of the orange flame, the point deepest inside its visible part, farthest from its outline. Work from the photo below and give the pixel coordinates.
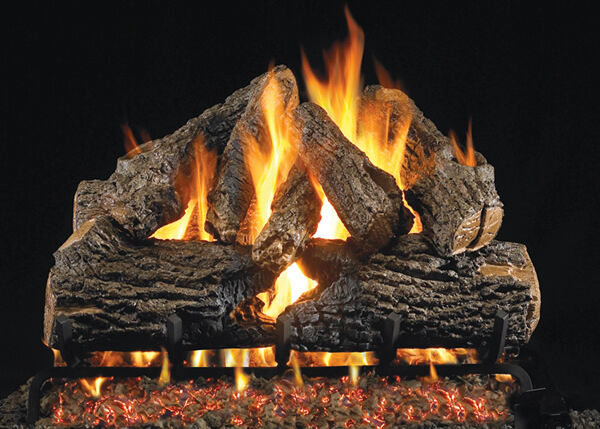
(137, 359)
(384, 77)
(269, 167)
(191, 225)
(466, 157)
(437, 356)
(297, 372)
(131, 147)
(93, 388)
(339, 95)
(241, 379)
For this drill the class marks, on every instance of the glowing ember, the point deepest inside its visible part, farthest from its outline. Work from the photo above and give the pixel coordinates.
(466, 157)
(191, 225)
(321, 402)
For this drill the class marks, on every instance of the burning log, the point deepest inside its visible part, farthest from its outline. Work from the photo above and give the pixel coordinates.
(295, 214)
(232, 194)
(141, 194)
(366, 199)
(442, 301)
(458, 204)
(120, 292)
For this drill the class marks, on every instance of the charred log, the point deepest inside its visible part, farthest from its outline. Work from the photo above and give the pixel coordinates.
(233, 191)
(142, 193)
(459, 207)
(324, 260)
(120, 292)
(366, 199)
(442, 301)
(295, 214)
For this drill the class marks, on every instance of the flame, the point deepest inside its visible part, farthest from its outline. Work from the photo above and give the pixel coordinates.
(57, 358)
(94, 388)
(432, 374)
(131, 147)
(191, 225)
(466, 157)
(339, 95)
(269, 168)
(384, 77)
(251, 357)
(504, 378)
(200, 358)
(333, 359)
(241, 379)
(112, 358)
(437, 356)
(165, 371)
(297, 372)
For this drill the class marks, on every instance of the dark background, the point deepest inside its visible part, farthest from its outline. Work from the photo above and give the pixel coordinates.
(522, 73)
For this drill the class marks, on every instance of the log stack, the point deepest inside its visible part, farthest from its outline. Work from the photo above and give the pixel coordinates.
(119, 286)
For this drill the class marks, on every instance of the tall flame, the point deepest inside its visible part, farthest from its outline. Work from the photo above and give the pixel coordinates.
(269, 167)
(339, 95)
(191, 225)
(94, 387)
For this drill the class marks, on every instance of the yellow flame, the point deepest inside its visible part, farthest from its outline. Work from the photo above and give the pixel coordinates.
(94, 388)
(57, 358)
(339, 95)
(354, 372)
(165, 371)
(432, 374)
(191, 225)
(333, 359)
(297, 372)
(438, 356)
(241, 379)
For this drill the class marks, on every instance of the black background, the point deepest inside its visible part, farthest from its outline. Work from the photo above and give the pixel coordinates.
(522, 73)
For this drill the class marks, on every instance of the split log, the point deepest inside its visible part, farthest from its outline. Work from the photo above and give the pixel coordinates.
(458, 205)
(233, 190)
(442, 301)
(142, 194)
(295, 215)
(366, 198)
(120, 292)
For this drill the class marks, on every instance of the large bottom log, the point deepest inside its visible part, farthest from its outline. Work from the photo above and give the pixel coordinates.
(119, 292)
(442, 301)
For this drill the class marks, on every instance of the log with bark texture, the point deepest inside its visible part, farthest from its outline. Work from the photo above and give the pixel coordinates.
(295, 214)
(442, 301)
(142, 194)
(366, 199)
(119, 292)
(458, 205)
(233, 190)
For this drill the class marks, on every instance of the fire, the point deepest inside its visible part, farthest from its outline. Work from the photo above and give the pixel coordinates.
(339, 95)
(241, 379)
(333, 359)
(297, 372)
(94, 388)
(252, 357)
(165, 371)
(437, 356)
(191, 225)
(131, 147)
(466, 157)
(137, 359)
(269, 168)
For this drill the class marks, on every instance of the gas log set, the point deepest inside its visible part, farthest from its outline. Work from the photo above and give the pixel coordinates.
(301, 241)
